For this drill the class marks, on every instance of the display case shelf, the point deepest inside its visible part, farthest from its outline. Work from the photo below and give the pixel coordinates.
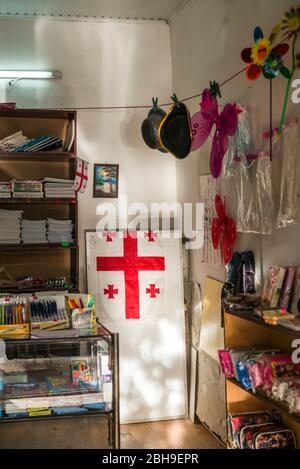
(19, 291)
(53, 379)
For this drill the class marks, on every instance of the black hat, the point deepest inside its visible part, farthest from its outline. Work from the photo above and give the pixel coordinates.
(150, 127)
(175, 133)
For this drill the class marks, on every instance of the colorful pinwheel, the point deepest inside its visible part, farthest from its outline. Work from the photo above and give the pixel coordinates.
(223, 231)
(262, 58)
(226, 124)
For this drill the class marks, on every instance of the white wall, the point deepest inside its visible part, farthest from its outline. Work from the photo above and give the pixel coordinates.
(104, 63)
(207, 37)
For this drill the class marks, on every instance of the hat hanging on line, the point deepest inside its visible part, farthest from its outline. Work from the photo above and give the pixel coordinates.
(175, 133)
(150, 127)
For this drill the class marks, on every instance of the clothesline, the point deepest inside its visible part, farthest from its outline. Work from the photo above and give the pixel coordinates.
(145, 106)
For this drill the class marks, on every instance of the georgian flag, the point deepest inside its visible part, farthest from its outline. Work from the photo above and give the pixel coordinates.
(130, 274)
(136, 281)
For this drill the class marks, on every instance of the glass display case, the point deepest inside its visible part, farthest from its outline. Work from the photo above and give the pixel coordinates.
(50, 383)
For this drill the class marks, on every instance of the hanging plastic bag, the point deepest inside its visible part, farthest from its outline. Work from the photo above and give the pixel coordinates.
(240, 144)
(255, 207)
(264, 192)
(247, 218)
(286, 150)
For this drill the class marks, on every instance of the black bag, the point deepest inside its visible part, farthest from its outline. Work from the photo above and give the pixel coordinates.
(240, 276)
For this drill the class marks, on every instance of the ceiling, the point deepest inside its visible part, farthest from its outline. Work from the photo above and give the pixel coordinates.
(132, 9)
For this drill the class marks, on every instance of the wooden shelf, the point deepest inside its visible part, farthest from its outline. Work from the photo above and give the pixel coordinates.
(38, 113)
(245, 329)
(36, 201)
(45, 260)
(263, 397)
(15, 290)
(30, 247)
(250, 316)
(43, 156)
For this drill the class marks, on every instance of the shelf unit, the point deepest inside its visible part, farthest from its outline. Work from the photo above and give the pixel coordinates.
(243, 329)
(40, 260)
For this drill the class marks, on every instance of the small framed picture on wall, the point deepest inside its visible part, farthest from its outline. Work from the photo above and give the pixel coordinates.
(106, 180)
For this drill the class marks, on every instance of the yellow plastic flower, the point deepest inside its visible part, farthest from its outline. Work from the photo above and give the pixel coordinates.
(260, 51)
(291, 23)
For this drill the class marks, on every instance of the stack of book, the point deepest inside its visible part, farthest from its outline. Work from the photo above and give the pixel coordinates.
(59, 188)
(60, 231)
(278, 288)
(10, 226)
(10, 143)
(42, 143)
(34, 231)
(5, 190)
(24, 189)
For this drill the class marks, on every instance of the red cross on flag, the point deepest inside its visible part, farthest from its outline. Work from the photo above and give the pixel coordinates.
(136, 281)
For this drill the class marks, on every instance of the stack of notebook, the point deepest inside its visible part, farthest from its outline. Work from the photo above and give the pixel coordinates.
(42, 143)
(10, 143)
(5, 190)
(60, 231)
(10, 226)
(32, 189)
(59, 188)
(34, 231)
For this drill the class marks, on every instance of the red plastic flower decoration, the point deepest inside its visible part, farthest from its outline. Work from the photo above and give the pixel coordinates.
(263, 58)
(223, 228)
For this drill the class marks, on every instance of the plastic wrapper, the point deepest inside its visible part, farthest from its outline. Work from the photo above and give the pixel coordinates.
(287, 214)
(236, 422)
(281, 387)
(255, 210)
(286, 150)
(264, 189)
(293, 400)
(240, 144)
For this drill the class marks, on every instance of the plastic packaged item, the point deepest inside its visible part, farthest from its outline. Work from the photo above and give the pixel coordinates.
(264, 193)
(243, 375)
(226, 363)
(240, 144)
(277, 366)
(286, 149)
(247, 219)
(280, 438)
(237, 421)
(293, 400)
(247, 433)
(282, 386)
(255, 375)
(255, 207)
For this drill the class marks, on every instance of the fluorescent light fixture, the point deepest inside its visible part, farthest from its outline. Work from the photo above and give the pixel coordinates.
(31, 74)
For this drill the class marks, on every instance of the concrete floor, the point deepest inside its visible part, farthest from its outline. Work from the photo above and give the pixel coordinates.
(169, 434)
